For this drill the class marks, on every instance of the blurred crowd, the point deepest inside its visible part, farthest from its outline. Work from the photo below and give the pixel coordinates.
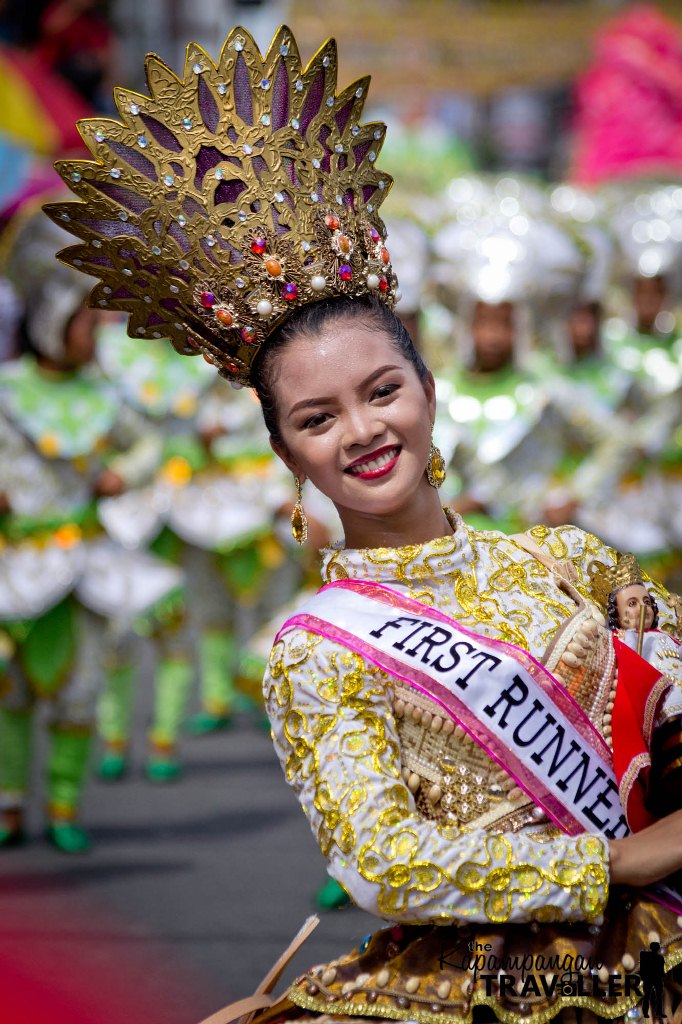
(141, 506)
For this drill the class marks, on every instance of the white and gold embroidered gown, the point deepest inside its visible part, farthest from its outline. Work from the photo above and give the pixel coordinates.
(422, 828)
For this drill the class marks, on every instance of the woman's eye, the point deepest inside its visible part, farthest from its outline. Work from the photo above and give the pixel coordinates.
(385, 390)
(315, 421)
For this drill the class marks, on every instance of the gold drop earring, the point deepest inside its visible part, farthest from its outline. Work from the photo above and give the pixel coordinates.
(299, 523)
(435, 467)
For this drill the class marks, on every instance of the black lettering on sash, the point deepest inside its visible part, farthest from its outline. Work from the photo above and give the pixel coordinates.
(440, 666)
(516, 735)
(620, 829)
(393, 624)
(513, 696)
(484, 657)
(400, 645)
(430, 641)
(582, 767)
(557, 739)
(602, 797)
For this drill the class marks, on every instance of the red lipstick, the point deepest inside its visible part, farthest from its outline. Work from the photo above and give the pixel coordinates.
(376, 464)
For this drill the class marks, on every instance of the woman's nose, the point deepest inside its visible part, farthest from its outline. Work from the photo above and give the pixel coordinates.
(362, 426)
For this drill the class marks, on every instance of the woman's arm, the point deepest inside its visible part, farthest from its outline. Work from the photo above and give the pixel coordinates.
(649, 855)
(337, 741)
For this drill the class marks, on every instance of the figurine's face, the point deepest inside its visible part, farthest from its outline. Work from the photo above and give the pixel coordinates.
(629, 600)
(492, 330)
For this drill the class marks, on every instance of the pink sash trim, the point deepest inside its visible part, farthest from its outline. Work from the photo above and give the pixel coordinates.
(457, 710)
(454, 707)
(559, 695)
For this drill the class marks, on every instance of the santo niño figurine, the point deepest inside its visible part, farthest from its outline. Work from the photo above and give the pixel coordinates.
(647, 702)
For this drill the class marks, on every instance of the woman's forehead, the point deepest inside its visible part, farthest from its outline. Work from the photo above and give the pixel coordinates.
(343, 352)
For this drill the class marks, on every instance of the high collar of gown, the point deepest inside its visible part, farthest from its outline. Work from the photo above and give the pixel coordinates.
(411, 565)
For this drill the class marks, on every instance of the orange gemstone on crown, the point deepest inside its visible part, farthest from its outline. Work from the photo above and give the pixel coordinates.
(344, 244)
(225, 318)
(273, 266)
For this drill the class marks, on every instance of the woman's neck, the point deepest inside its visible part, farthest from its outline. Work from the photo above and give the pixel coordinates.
(423, 520)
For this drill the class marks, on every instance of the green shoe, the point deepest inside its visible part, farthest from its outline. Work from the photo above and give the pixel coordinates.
(68, 837)
(11, 828)
(163, 769)
(113, 766)
(205, 722)
(332, 896)
(11, 837)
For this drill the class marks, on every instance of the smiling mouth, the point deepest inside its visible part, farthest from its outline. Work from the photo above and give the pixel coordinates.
(380, 463)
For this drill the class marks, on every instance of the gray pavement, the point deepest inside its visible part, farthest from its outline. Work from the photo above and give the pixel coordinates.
(191, 891)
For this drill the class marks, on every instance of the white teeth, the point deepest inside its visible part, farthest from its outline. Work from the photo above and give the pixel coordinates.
(381, 460)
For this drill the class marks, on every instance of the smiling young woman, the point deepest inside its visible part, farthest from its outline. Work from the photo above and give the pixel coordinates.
(442, 705)
(350, 405)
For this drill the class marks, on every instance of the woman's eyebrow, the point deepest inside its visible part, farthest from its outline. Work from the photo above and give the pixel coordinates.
(307, 403)
(375, 374)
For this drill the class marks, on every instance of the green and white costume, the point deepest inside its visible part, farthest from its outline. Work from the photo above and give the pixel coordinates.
(649, 447)
(69, 595)
(647, 224)
(67, 592)
(503, 435)
(207, 509)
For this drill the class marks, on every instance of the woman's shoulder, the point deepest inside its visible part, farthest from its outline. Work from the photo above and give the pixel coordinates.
(555, 543)
(294, 646)
(572, 542)
(300, 651)
(312, 672)
(567, 550)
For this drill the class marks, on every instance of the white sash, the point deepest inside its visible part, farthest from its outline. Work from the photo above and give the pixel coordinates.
(505, 699)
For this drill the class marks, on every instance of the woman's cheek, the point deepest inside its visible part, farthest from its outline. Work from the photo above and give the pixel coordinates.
(322, 454)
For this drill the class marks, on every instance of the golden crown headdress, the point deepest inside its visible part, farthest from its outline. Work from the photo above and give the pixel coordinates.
(605, 579)
(225, 200)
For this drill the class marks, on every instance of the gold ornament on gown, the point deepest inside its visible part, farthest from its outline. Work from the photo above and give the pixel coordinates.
(299, 522)
(435, 467)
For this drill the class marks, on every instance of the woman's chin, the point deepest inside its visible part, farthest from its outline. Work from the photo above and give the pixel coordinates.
(382, 497)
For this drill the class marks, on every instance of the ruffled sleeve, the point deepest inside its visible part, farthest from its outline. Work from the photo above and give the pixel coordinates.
(338, 744)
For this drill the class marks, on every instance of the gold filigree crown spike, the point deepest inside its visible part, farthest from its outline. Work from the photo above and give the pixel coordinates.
(225, 200)
(604, 579)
